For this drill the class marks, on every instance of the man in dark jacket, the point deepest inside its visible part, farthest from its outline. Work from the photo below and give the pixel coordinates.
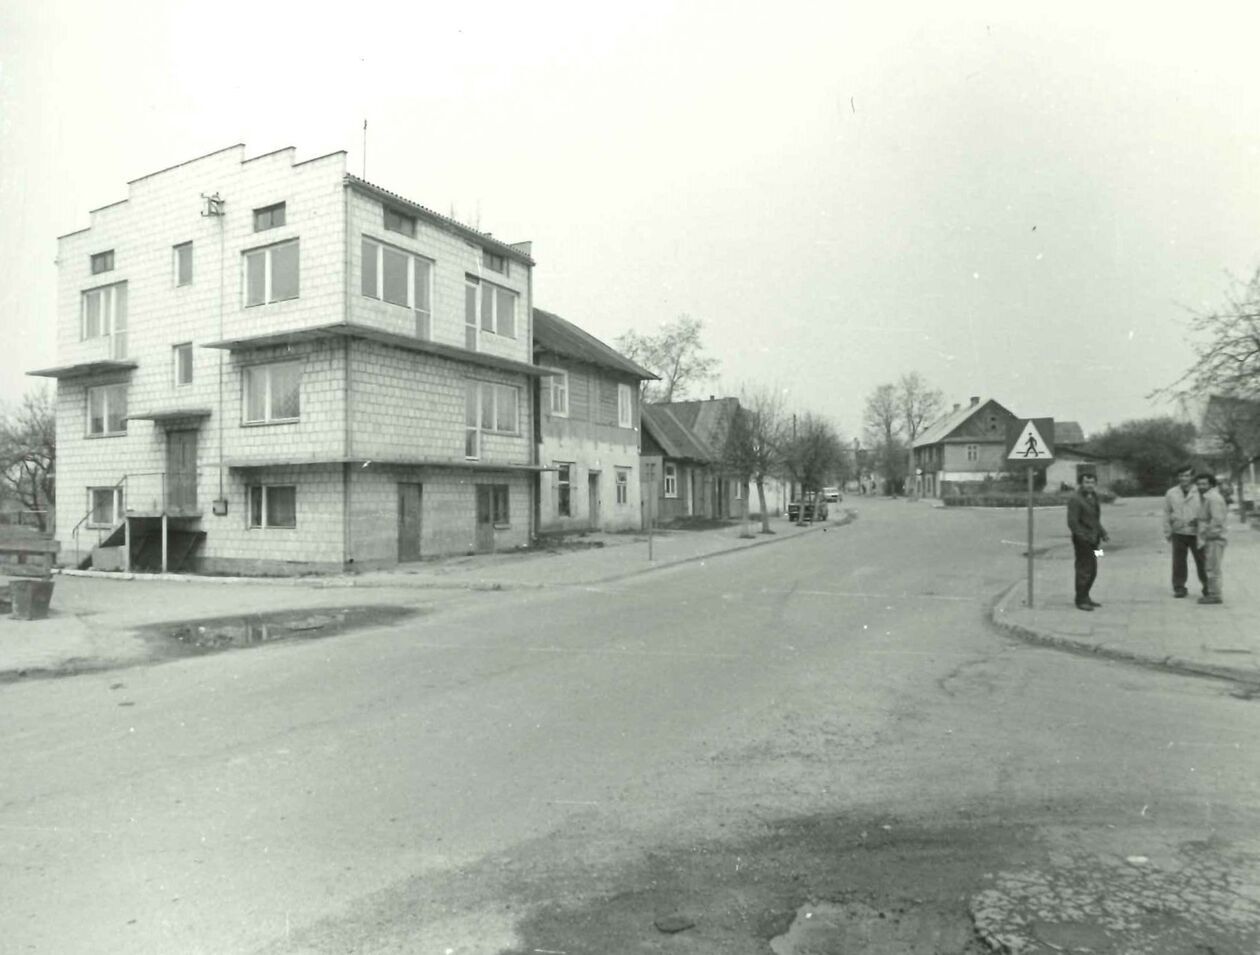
(1084, 517)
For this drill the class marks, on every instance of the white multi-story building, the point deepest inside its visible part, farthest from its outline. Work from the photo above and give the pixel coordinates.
(272, 366)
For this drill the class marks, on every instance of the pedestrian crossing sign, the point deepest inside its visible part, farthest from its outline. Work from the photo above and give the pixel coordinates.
(1033, 442)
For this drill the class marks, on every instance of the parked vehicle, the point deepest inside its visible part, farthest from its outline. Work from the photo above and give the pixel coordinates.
(815, 507)
(831, 495)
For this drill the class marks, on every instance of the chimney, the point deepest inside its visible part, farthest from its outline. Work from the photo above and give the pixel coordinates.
(957, 406)
(711, 397)
(975, 400)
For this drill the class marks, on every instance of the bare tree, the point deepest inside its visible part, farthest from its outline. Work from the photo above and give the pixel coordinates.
(812, 454)
(920, 405)
(754, 443)
(1227, 356)
(675, 354)
(884, 423)
(28, 453)
(1231, 427)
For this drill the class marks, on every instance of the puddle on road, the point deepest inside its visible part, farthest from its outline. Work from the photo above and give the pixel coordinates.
(193, 637)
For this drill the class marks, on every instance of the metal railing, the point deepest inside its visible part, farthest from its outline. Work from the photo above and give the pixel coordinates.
(143, 494)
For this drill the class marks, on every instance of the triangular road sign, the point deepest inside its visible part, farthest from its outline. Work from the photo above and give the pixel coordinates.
(1030, 445)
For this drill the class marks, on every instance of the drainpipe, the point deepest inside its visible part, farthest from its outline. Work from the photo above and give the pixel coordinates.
(347, 468)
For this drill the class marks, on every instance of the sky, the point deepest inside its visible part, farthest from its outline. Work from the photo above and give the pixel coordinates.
(1025, 203)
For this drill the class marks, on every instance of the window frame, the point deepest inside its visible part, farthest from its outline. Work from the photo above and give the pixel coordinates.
(972, 452)
(564, 489)
(477, 413)
(101, 262)
(247, 376)
(424, 316)
(625, 402)
(403, 219)
(559, 387)
(111, 316)
(500, 495)
(268, 252)
(176, 351)
(490, 293)
(492, 261)
(669, 479)
(265, 217)
(177, 252)
(264, 511)
(621, 483)
(118, 387)
(116, 506)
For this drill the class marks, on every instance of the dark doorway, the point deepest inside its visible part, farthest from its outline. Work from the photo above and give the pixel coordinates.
(593, 493)
(409, 497)
(485, 519)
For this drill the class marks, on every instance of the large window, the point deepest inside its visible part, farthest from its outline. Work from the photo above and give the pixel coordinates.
(625, 406)
(104, 315)
(183, 263)
(489, 408)
(273, 392)
(105, 506)
(103, 262)
(564, 490)
(271, 273)
(495, 306)
(623, 485)
(560, 394)
(272, 505)
(671, 479)
(182, 363)
(107, 410)
(269, 217)
(400, 278)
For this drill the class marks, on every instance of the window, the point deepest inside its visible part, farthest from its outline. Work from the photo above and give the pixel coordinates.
(183, 263)
(560, 394)
(273, 392)
(973, 452)
(498, 310)
(272, 505)
(399, 278)
(499, 504)
(625, 407)
(494, 262)
(105, 505)
(182, 359)
(269, 217)
(103, 262)
(107, 410)
(488, 407)
(271, 273)
(671, 479)
(739, 490)
(993, 424)
(623, 485)
(397, 222)
(564, 488)
(105, 316)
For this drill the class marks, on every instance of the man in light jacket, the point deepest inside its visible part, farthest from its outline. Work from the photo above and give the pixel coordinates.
(1211, 534)
(1181, 515)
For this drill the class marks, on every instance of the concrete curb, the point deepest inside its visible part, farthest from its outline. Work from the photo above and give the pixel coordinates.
(319, 583)
(1167, 664)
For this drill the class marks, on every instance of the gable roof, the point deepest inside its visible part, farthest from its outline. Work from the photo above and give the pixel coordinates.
(562, 337)
(675, 438)
(707, 420)
(943, 427)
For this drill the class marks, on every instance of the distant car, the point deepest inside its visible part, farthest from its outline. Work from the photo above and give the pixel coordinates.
(815, 510)
(831, 495)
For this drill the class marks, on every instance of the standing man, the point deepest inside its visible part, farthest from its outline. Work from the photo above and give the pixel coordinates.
(1211, 534)
(1182, 504)
(1084, 517)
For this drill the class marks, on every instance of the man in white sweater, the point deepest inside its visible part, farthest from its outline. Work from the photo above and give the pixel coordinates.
(1181, 515)
(1211, 534)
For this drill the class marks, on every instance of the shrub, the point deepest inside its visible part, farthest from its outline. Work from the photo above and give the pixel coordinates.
(1014, 499)
(1126, 487)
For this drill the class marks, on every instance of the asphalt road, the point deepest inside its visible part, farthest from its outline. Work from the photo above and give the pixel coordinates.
(814, 746)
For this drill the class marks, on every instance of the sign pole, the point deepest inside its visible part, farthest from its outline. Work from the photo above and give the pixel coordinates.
(1030, 537)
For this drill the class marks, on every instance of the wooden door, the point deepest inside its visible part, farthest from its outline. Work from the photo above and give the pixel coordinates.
(593, 494)
(409, 498)
(181, 471)
(485, 519)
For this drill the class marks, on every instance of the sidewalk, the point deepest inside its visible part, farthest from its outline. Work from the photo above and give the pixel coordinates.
(94, 617)
(1140, 621)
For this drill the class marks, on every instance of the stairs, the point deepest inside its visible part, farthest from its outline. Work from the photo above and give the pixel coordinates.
(146, 545)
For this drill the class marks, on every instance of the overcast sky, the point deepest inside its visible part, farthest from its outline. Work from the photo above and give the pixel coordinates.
(1016, 204)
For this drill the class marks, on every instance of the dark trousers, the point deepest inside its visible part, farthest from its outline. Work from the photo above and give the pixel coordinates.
(1086, 568)
(1180, 544)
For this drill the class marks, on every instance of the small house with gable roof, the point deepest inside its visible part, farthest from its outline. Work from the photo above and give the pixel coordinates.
(966, 445)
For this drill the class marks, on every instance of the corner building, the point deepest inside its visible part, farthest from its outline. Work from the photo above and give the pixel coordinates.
(271, 366)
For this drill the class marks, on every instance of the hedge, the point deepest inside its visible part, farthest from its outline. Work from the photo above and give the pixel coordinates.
(1018, 499)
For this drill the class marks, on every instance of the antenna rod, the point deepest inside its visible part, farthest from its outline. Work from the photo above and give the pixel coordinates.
(365, 149)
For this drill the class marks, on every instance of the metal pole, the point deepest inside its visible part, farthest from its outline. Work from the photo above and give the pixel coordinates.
(1030, 537)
